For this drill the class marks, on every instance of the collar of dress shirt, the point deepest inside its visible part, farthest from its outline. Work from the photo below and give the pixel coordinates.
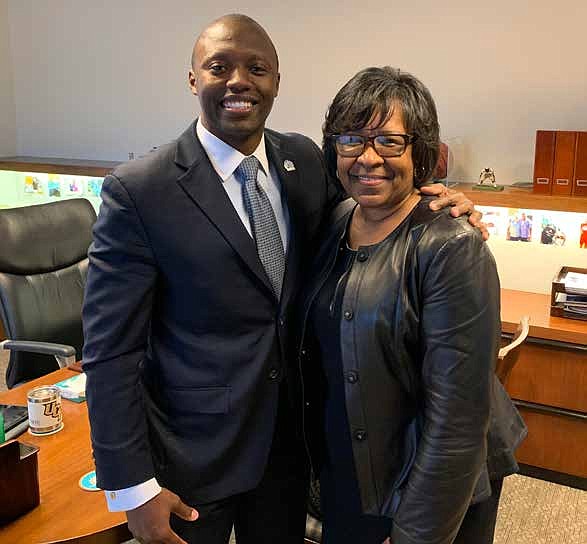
(224, 158)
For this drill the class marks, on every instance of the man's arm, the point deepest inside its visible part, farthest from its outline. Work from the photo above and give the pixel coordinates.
(116, 317)
(117, 314)
(459, 203)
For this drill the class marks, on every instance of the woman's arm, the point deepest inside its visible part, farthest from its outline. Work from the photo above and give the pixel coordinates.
(460, 329)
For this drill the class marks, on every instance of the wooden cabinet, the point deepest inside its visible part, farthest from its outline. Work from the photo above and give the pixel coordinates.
(549, 385)
(552, 374)
(555, 442)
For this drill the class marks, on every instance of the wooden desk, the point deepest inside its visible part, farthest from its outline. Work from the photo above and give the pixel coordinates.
(549, 385)
(66, 513)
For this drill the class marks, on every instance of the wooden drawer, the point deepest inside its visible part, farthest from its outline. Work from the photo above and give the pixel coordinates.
(551, 373)
(555, 442)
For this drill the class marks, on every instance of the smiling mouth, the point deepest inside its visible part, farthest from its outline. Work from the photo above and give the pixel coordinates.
(370, 180)
(238, 104)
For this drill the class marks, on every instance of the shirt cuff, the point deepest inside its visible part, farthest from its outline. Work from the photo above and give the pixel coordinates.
(132, 497)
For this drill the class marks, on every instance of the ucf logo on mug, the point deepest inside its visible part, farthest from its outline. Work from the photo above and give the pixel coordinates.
(44, 405)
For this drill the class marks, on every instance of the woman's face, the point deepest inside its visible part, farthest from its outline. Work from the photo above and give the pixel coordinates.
(374, 181)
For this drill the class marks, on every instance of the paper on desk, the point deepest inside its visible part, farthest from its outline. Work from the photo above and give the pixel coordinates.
(576, 283)
(73, 388)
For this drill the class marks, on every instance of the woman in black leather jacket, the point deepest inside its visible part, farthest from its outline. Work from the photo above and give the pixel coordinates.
(409, 429)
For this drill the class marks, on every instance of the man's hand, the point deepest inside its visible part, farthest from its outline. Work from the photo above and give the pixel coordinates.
(149, 523)
(459, 203)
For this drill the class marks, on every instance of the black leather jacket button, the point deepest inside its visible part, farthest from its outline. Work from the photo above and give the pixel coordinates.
(352, 377)
(273, 374)
(362, 256)
(360, 435)
(348, 314)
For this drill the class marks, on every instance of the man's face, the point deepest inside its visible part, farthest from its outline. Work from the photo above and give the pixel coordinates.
(235, 76)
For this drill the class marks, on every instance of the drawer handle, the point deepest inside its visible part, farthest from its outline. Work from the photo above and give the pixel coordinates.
(543, 408)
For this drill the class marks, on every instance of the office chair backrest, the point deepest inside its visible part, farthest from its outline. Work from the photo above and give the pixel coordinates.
(43, 268)
(508, 355)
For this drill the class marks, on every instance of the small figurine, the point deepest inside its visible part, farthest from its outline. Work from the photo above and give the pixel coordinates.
(487, 181)
(487, 174)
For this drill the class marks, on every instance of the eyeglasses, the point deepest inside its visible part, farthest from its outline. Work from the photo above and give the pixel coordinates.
(386, 145)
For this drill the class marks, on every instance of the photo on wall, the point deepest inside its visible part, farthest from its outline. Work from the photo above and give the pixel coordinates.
(73, 186)
(94, 186)
(495, 219)
(553, 229)
(33, 185)
(54, 185)
(519, 225)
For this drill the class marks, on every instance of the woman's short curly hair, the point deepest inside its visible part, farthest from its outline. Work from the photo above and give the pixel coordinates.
(373, 93)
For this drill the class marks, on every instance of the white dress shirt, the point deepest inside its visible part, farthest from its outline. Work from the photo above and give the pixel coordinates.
(225, 160)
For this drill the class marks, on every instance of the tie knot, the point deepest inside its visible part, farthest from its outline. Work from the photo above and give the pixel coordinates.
(247, 169)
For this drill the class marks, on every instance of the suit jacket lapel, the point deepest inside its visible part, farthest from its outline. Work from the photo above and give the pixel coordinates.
(203, 185)
(289, 179)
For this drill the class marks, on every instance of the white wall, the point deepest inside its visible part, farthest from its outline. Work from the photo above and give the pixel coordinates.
(99, 79)
(7, 107)
(532, 267)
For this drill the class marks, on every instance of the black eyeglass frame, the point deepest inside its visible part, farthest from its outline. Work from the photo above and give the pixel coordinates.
(407, 138)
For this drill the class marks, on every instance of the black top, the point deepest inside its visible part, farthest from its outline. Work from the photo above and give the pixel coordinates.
(341, 505)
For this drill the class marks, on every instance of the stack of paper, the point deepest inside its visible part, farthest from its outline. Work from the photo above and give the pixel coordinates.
(573, 303)
(576, 283)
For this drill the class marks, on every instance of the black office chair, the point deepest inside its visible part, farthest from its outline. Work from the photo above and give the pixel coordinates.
(43, 268)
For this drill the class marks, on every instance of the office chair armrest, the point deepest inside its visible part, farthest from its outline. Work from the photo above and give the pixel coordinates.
(64, 354)
(522, 333)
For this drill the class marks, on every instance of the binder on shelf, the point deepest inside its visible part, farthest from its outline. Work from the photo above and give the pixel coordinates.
(544, 161)
(564, 162)
(580, 175)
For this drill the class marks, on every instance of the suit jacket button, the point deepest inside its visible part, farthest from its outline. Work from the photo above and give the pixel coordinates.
(348, 314)
(360, 435)
(273, 374)
(352, 377)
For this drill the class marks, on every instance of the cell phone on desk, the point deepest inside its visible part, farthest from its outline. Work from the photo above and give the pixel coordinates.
(16, 420)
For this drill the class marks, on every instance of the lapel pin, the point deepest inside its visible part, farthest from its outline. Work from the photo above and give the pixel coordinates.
(289, 166)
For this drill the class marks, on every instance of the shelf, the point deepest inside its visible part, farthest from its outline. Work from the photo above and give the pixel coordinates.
(517, 197)
(74, 167)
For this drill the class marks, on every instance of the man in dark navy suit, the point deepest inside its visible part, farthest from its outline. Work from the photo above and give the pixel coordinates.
(190, 395)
